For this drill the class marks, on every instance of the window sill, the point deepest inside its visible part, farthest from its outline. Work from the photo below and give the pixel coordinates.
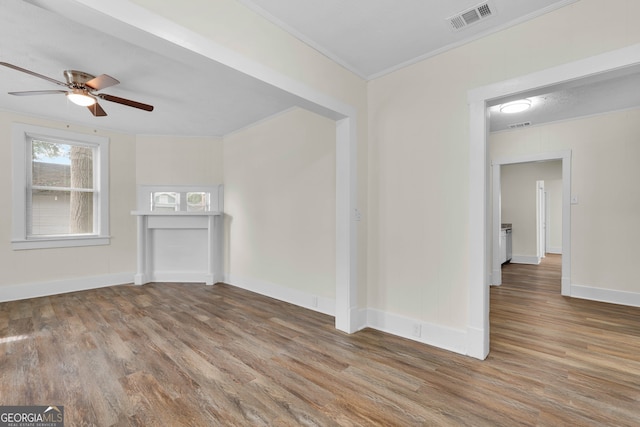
(60, 242)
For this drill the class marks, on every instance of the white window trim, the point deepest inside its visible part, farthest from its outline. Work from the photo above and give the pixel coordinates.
(21, 160)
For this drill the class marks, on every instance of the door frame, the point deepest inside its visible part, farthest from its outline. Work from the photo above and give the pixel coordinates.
(547, 214)
(479, 214)
(541, 219)
(496, 165)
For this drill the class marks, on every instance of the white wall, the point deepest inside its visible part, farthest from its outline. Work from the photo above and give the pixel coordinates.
(280, 200)
(553, 187)
(419, 154)
(231, 24)
(44, 271)
(132, 160)
(605, 230)
(518, 201)
(175, 160)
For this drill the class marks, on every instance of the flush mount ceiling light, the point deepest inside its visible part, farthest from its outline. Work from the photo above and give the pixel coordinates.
(515, 106)
(81, 97)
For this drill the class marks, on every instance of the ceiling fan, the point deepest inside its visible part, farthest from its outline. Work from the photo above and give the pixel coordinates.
(82, 90)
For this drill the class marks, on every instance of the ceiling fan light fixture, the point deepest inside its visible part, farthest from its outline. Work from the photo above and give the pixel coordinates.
(515, 106)
(81, 97)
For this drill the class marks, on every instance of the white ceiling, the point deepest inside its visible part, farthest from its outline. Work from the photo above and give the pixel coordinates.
(374, 37)
(612, 91)
(191, 95)
(194, 96)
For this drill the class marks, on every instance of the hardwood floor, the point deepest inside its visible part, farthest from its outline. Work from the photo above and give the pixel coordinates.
(190, 355)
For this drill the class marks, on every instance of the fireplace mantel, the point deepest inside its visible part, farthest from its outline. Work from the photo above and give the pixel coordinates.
(179, 246)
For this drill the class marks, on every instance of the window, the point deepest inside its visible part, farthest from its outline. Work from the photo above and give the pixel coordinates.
(179, 198)
(198, 201)
(172, 201)
(60, 194)
(167, 201)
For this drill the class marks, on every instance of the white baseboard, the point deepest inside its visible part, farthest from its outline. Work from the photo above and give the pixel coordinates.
(606, 295)
(54, 287)
(477, 343)
(496, 278)
(180, 277)
(362, 319)
(525, 259)
(447, 338)
(283, 293)
(427, 333)
(555, 250)
(438, 336)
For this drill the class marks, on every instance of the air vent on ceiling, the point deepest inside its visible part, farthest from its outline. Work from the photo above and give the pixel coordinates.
(470, 16)
(519, 125)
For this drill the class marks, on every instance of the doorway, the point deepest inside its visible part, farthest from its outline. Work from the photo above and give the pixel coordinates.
(564, 156)
(480, 223)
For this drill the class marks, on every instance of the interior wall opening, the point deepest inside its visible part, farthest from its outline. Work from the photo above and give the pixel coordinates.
(480, 203)
(526, 207)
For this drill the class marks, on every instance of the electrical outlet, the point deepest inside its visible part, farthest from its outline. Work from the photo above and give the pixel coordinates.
(314, 301)
(358, 215)
(417, 330)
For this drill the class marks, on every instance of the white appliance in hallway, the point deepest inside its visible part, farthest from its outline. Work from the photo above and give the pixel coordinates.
(505, 243)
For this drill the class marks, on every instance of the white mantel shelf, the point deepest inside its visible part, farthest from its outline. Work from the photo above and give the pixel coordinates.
(152, 256)
(177, 213)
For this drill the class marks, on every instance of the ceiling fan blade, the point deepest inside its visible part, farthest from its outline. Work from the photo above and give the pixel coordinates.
(37, 92)
(101, 82)
(97, 110)
(15, 67)
(126, 102)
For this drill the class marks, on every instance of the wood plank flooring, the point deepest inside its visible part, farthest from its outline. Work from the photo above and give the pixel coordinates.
(188, 355)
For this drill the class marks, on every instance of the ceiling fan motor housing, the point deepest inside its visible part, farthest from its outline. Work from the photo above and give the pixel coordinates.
(77, 78)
